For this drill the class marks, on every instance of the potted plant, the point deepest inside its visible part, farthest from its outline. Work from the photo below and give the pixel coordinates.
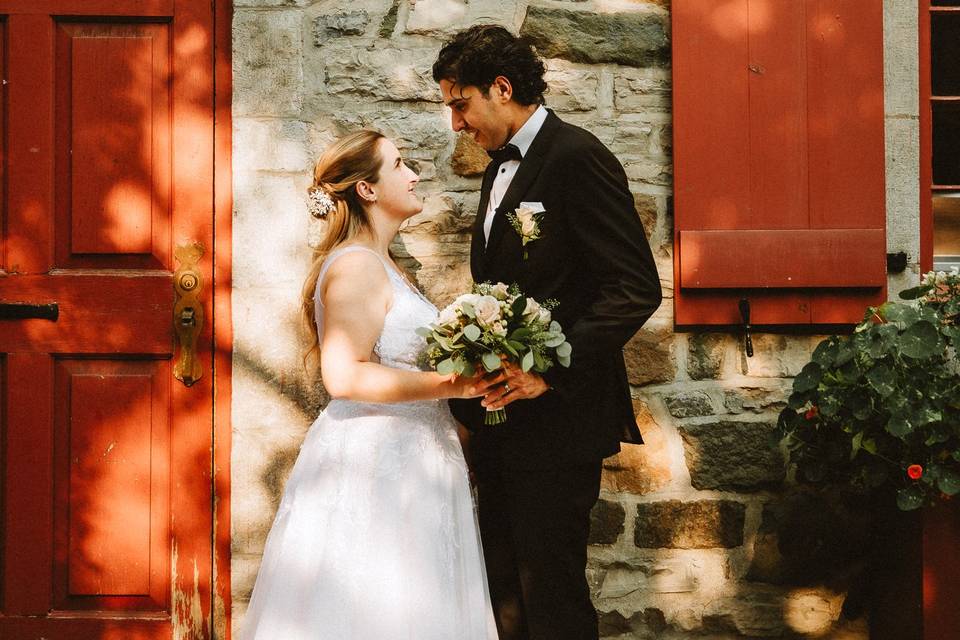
(881, 407)
(879, 410)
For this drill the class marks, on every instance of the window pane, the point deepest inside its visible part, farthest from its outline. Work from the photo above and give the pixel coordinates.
(946, 143)
(945, 54)
(946, 229)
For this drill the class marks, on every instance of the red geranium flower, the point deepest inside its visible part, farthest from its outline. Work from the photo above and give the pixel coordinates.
(915, 471)
(811, 413)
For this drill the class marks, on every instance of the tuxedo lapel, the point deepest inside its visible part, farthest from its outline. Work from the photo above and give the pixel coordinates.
(478, 242)
(526, 173)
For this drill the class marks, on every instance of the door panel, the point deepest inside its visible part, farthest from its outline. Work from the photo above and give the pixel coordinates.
(105, 458)
(113, 145)
(111, 484)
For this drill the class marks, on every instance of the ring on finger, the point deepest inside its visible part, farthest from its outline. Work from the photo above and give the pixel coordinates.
(506, 385)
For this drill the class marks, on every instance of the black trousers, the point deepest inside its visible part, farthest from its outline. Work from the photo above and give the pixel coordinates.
(535, 526)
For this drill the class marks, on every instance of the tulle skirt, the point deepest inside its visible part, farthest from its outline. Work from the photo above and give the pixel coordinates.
(376, 536)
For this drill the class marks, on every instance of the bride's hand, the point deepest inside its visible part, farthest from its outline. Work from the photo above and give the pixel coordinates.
(475, 386)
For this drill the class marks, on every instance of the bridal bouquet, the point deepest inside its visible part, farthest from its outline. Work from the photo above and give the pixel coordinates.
(490, 324)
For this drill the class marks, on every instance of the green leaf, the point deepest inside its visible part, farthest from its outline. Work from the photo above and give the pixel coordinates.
(518, 306)
(881, 379)
(829, 405)
(900, 313)
(949, 482)
(855, 444)
(539, 363)
(914, 292)
(520, 334)
(459, 364)
(910, 498)
(446, 367)
(899, 425)
(491, 361)
(920, 340)
(472, 332)
(564, 362)
(468, 369)
(808, 378)
(564, 350)
(869, 445)
(527, 363)
(825, 352)
(468, 309)
(926, 415)
(424, 332)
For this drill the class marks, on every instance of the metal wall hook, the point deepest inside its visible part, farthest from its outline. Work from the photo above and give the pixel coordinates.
(744, 306)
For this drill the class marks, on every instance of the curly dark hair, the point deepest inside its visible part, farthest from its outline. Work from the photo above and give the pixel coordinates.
(476, 56)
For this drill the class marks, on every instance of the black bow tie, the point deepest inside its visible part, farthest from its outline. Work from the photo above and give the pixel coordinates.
(504, 153)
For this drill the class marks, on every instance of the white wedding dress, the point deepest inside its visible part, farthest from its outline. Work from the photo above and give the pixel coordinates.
(376, 536)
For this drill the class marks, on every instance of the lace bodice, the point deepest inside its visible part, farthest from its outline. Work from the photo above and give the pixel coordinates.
(399, 345)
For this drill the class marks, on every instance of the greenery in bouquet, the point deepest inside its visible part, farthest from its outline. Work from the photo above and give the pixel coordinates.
(881, 407)
(493, 323)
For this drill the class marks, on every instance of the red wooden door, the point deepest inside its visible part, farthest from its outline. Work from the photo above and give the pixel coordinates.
(106, 458)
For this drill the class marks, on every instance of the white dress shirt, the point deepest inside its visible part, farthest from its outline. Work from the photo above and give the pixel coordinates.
(522, 139)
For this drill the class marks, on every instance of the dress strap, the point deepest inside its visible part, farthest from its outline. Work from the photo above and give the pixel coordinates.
(336, 253)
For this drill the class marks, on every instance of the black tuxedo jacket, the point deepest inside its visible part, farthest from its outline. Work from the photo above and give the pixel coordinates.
(593, 257)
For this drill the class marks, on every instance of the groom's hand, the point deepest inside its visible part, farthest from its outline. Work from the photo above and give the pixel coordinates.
(517, 385)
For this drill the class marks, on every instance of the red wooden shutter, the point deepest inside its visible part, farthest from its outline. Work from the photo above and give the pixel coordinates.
(778, 160)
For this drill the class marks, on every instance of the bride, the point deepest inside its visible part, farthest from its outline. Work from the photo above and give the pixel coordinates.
(376, 536)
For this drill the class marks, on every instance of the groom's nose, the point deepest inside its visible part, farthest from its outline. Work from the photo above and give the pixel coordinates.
(456, 120)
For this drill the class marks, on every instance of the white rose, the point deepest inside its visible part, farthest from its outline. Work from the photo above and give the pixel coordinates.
(499, 291)
(528, 222)
(448, 315)
(488, 311)
(545, 316)
(532, 311)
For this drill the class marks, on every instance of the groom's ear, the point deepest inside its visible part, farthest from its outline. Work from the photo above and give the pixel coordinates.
(501, 89)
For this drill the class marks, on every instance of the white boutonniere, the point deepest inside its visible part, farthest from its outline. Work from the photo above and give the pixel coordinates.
(526, 222)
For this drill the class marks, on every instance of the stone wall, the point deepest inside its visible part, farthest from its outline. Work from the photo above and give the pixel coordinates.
(697, 531)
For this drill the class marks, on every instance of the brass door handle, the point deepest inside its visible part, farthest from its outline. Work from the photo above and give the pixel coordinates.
(188, 312)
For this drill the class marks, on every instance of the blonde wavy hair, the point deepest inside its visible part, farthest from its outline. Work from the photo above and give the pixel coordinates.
(348, 161)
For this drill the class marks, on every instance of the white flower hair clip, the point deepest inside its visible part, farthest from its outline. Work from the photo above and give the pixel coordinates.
(319, 203)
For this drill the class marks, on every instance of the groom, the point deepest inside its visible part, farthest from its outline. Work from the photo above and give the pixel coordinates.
(538, 475)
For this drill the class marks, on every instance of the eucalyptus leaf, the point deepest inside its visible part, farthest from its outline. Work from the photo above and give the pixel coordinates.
(472, 332)
(564, 350)
(554, 341)
(564, 362)
(424, 332)
(491, 361)
(468, 309)
(527, 362)
(446, 367)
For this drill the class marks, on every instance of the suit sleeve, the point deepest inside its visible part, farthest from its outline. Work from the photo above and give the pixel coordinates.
(614, 249)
